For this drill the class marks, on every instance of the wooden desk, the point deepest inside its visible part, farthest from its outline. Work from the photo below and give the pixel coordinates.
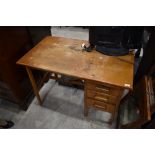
(65, 56)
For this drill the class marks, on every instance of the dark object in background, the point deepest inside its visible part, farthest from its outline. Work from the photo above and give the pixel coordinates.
(112, 51)
(71, 82)
(148, 59)
(105, 34)
(144, 99)
(14, 82)
(150, 124)
(115, 40)
(37, 33)
(5, 124)
(134, 36)
(142, 102)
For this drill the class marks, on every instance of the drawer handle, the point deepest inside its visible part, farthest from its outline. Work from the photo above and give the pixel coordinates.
(99, 106)
(101, 88)
(101, 98)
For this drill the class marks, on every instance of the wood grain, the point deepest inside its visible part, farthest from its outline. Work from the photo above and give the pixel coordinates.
(65, 56)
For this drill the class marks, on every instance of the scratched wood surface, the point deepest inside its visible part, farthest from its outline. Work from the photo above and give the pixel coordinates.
(65, 56)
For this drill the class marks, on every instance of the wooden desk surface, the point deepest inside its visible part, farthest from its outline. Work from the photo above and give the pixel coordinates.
(65, 56)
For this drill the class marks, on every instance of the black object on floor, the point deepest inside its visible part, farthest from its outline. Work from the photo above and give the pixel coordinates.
(8, 125)
(71, 82)
(150, 124)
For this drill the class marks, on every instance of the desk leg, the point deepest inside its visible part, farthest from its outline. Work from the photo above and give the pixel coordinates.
(36, 91)
(85, 101)
(85, 110)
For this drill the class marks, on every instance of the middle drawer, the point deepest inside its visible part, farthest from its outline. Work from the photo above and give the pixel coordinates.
(101, 96)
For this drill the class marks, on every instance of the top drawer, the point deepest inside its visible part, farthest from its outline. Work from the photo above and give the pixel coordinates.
(113, 91)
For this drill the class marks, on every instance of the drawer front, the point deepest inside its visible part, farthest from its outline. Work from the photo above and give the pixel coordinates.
(102, 96)
(100, 105)
(113, 91)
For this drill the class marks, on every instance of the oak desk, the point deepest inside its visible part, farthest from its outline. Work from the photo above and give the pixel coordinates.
(105, 77)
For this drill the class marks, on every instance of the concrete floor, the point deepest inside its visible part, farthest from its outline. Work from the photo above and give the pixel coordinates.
(71, 32)
(63, 106)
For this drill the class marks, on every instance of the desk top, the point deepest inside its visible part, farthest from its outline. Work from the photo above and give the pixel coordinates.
(65, 56)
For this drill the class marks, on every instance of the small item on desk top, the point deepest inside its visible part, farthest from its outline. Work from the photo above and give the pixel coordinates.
(86, 48)
(83, 46)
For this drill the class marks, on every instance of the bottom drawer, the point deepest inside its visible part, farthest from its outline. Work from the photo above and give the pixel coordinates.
(100, 105)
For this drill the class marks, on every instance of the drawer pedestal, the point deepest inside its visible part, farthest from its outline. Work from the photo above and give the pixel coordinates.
(102, 97)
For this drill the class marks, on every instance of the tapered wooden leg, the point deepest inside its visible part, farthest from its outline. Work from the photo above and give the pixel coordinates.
(112, 118)
(36, 91)
(85, 101)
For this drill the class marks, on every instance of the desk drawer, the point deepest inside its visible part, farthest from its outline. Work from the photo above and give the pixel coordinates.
(113, 91)
(101, 105)
(102, 96)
